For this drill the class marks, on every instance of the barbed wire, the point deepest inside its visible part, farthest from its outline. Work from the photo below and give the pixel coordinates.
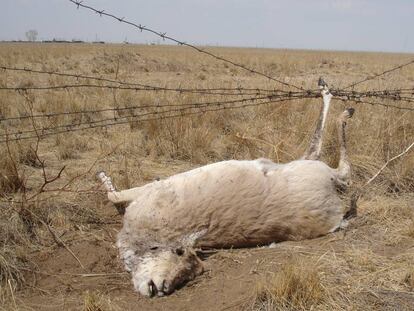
(377, 75)
(352, 95)
(360, 101)
(371, 93)
(341, 95)
(184, 106)
(298, 95)
(396, 94)
(134, 85)
(164, 36)
(159, 115)
(40, 133)
(235, 92)
(123, 85)
(115, 109)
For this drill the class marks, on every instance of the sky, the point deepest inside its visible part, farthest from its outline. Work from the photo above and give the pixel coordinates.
(357, 25)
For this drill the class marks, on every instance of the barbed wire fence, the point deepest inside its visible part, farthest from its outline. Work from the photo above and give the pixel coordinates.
(241, 97)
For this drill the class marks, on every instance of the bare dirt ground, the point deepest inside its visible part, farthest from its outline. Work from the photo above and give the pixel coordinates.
(368, 266)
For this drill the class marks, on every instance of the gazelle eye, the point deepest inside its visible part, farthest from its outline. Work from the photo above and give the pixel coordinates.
(179, 251)
(154, 248)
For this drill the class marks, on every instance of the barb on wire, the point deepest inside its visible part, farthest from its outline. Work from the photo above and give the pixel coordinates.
(377, 75)
(185, 111)
(164, 36)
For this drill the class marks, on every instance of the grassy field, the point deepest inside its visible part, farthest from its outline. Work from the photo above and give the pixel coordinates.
(57, 239)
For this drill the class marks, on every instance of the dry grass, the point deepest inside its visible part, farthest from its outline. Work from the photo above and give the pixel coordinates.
(93, 302)
(97, 301)
(374, 255)
(14, 246)
(409, 279)
(297, 286)
(10, 177)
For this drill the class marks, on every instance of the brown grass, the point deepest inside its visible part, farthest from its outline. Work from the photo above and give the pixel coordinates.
(296, 286)
(97, 301)
(409, 279)
(10, 177)
(375, 254)
(92, 302)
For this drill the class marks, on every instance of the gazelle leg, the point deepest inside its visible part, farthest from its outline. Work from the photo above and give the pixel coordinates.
(314, 150)
(344, 167)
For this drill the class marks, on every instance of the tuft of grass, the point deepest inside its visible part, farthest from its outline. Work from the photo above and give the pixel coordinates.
(70, 147)
(297, 286)
(96, 301)
(10, 179)
(13, 247)
(7, 297)
(409, 279)
(13, 158)
(410, 227)
(92, 302)
(10, 267)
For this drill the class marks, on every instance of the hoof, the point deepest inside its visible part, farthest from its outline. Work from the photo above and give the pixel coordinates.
(322, 83)
(106, 181)
(350, 111)
(153, 288)
(100, 175)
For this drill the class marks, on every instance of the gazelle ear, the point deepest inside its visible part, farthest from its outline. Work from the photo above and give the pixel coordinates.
(191, 239)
